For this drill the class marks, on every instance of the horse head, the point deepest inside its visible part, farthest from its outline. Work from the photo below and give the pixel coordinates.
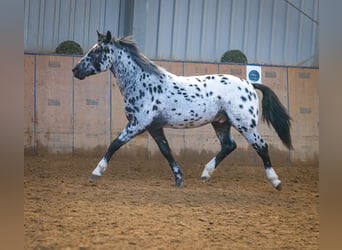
(98, 59)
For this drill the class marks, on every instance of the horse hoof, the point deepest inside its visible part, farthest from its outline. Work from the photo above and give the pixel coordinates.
(278, 187)
(205, 178)
(179, 183)
(94, 178)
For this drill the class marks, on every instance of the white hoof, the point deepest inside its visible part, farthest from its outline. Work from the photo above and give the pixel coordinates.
(205, 178)
(276, 184)
(94, 179)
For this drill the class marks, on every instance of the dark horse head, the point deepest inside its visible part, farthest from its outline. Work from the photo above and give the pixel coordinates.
(98, 59)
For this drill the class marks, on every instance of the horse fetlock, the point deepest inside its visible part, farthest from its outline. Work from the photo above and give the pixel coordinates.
(205, 176)
(208, 169)
(273, 178)
(100, 168)
(97, 172)
(271, 174)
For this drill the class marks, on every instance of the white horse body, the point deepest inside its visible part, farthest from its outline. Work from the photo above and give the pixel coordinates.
(201, 98)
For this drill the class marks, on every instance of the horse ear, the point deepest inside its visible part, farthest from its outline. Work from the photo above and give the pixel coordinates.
(108, 36)
(98, 34)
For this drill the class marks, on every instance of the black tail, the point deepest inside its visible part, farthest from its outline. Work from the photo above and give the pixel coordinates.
(275, 113)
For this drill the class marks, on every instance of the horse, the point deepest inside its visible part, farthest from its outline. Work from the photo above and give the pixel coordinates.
(156, 99)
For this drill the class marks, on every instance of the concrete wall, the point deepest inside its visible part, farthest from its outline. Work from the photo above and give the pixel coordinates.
(63, 114)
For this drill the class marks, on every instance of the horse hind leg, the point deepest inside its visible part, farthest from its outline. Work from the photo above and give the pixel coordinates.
(222, 130)
(159, 137)
(261, 147)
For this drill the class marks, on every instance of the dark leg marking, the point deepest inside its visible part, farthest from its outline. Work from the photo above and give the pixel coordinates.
(159, 137)
(113, 147)
(261, 148)
(264, 155)
(222, 131)
(125, 136)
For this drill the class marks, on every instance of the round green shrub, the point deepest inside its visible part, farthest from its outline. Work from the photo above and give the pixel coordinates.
(70, 48)
(234, 56)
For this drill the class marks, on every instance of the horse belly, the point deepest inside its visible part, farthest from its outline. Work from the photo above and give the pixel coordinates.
(183, 124)
(191, 115)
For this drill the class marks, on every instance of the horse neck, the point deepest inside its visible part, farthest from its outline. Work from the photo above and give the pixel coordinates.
(125, 73)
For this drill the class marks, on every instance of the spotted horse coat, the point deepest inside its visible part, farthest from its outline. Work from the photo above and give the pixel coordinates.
(155, 98)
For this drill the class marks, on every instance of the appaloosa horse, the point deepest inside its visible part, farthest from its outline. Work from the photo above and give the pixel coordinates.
(155, 98)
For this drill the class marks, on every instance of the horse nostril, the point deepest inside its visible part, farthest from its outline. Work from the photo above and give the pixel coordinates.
(74, 70)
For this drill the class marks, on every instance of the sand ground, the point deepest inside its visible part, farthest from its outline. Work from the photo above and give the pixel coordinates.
(136, 206)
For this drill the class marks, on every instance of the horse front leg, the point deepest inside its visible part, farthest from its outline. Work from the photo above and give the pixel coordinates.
(125, 136)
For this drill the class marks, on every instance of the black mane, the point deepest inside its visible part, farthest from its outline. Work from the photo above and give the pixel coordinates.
(146, 64)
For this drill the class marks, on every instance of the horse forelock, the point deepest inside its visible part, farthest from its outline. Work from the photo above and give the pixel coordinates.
(140, 59)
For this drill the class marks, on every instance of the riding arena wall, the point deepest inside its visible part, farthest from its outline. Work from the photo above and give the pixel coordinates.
(65, 115)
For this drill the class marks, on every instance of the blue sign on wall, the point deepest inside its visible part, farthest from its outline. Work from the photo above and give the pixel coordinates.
(254, 75)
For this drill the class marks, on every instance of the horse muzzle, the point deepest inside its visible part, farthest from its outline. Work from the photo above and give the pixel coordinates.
(78, 74)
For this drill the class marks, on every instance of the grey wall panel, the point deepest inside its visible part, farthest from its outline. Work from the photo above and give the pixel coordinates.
(282, 32)
(238, 13)
(125, 22)
(80, 32)
(250, 43)
(165, 29)
(308, 32)
(152, 23)
(291, 35)
(139, 22)
(268, 32)
(193, 51)
(209, 29)
(47, 32)
(264, 37)
(50, 22)
(223, 28)
(278, 28)
(180, 29)
(31, 25)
